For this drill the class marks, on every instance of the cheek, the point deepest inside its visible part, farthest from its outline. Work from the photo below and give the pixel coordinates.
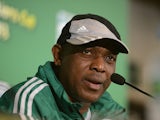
(73, 69)
(72, 74)
(106, 84)
(77, 71)
(110, 68)
(74, 64)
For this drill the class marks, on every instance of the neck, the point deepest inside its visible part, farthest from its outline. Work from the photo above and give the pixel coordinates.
(84, 108)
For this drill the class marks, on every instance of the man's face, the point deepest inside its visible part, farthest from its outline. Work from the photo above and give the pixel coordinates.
(85, 74)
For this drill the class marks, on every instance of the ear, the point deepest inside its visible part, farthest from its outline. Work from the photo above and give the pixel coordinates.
(56, 54)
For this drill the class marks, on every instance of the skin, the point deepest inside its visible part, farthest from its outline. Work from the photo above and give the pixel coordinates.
(84, 73)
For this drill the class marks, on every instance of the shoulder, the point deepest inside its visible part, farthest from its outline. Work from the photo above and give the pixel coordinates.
(25, 87)
(17, 97)
(26, 93)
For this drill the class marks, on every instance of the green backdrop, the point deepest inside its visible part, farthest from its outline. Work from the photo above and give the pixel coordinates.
(29, 28)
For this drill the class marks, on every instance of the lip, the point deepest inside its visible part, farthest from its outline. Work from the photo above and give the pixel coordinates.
(93, 85)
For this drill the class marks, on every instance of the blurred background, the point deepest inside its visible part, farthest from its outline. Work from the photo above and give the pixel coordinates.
(29, 29)
(144, 59)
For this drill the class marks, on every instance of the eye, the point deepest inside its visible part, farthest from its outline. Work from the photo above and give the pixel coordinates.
(110, 58)
(87, 52)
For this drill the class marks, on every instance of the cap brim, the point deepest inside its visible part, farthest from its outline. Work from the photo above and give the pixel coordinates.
(116, 45)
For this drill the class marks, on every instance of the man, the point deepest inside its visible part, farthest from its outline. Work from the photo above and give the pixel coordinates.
(73, 87)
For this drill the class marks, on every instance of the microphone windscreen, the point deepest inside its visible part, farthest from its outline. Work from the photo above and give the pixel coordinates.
(118, 79)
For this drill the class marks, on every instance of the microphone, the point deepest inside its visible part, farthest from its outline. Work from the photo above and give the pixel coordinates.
(120, 80)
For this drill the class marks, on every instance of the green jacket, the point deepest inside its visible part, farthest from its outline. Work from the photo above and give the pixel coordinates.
(43, 97)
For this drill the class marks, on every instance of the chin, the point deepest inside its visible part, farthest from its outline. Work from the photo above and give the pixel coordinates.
(91, 99)
(90, 96)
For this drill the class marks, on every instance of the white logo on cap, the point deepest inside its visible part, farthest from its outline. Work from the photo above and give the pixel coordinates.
(82, 29)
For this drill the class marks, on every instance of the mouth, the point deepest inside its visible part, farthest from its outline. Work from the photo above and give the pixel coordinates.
(93, 84)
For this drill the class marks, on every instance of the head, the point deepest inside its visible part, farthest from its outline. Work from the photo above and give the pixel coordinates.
(85, 54)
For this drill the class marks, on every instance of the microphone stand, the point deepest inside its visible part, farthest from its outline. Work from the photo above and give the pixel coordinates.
(139, 90)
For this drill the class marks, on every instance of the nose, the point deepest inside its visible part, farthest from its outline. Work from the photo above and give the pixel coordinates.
(98, 64)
